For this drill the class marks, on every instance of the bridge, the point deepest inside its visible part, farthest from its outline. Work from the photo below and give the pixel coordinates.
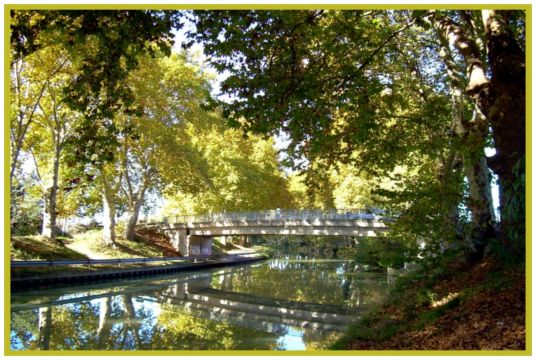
(260, 313)
(193, 234)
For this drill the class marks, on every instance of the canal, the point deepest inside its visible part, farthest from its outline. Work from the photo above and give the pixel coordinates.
(285, 303)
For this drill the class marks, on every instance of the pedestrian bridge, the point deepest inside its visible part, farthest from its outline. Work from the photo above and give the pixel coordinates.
(192, 234)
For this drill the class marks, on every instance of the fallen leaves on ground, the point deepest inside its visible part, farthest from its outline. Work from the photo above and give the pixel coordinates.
(487, 318)
(158, 240)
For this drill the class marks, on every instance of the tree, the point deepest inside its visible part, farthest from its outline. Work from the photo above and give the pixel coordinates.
(471, 137)
(329, 79)
(244, 173)
(155, 151)
(87, 35)
(109, 179)
(318, 77)
(27, 89)
(500, 99)
(161, 154)
(53, 125)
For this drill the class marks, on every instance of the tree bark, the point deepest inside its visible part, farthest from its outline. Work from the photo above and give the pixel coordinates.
(49, 215)
(471, 136)
(108, 202)
(130, 230)
(504, 106)
(480, 201)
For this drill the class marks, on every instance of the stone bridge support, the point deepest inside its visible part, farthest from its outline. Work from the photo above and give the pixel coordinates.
(199, 245)
(189, 245)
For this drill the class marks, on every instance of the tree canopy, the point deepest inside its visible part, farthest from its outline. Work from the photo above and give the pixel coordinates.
(381, 89)
(106, 45)
(388, 109)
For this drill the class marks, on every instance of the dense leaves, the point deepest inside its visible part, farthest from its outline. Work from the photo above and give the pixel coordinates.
(382, 90)
(243, 173)
(106, 45)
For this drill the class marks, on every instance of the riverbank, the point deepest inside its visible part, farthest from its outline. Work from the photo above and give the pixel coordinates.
(66, 276)
(481, 307)
(88, 246)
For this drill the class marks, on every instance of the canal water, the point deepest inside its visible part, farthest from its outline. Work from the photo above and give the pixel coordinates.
(280, 304)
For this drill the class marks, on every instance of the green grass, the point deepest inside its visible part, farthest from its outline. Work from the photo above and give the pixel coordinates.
(80, 247)
(89, 245)
(36, 247)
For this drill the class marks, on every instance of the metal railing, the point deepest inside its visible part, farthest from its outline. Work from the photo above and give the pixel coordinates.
(90, 262)
(270, 215)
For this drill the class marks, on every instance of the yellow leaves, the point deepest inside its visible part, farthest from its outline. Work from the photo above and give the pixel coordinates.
(244, 172)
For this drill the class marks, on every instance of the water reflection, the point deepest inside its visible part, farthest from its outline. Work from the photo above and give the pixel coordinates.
(281, 304)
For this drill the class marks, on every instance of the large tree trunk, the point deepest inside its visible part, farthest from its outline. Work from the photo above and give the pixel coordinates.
(108, 223)
(471, 136)
(49, 214)
(504, 105)
(480, 202)
(134, 211)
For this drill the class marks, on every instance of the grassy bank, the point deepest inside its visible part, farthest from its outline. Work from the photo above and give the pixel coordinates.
(479, 307)
(86, 245)
(89, 245)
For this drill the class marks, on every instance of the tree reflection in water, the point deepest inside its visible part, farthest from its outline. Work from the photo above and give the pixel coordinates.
(279, 304)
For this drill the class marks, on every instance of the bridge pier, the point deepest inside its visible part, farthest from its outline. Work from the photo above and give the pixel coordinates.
(189, 245)
(199, 245)
(179, 239)
(246, 240)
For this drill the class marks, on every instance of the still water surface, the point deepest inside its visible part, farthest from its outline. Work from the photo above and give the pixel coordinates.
(280, 304)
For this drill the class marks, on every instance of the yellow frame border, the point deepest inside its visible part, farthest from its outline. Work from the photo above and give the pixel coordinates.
(528, 180)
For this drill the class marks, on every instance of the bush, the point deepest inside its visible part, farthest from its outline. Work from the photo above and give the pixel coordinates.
(382, 252)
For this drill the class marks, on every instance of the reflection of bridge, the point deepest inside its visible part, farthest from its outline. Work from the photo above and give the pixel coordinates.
(195, 295)
(258, 313)
(192, 235)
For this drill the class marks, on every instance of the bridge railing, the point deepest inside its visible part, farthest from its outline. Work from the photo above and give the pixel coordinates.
(269, 215)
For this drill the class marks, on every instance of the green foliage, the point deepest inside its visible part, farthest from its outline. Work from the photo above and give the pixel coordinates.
(384, 252)
(314, 74)
(26, 206)
(362, 96)
(155, 149)
(105, 44)
(244, 173)
(172, 95)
